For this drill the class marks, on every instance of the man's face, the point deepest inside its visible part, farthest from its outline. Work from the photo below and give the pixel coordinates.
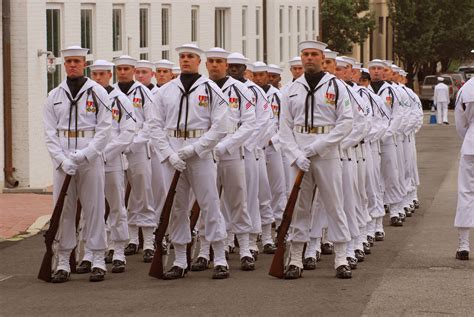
(260, 78)
(329, 65)
(312, 60)
(355, 75)
(296, 71)
(248, 74)
(395, 77)
(144, 75)
(274, 79)
(189, 63)
(387, 73)
(102, 77)
(341, 72)
(236, 70)
(74, 66)
(124, 73)
(376, 73)
(216, 67)
(163, 75)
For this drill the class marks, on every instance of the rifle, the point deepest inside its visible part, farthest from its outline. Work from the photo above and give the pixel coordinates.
(156, 269)
(193, 220)
(72, 257)
(278, 263)
(49, 236)
(127, 193)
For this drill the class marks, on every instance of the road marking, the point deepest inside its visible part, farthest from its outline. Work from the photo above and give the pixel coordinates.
(4, 277)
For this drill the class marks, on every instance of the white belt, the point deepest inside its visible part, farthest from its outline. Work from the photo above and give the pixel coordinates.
(186, 134)
(76, 134)
(314, 130)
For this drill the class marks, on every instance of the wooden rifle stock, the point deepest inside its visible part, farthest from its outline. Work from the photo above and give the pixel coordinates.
(127, 194)
(156, 269)
(72, 257)
(193, 220)
(278, 263)
(49, 236)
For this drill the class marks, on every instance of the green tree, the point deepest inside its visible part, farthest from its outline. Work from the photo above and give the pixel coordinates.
(345, 22)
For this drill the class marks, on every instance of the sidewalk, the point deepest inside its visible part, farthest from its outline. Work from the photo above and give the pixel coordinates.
(20, 212)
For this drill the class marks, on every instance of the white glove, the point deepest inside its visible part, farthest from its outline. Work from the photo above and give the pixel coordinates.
(303, 163)
(69, 167)
(220, 149)
(186, 152)
(309, 151)
(177, 163)
(79, 157)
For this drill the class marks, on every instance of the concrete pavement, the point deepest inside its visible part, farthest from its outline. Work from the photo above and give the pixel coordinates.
(412, 273)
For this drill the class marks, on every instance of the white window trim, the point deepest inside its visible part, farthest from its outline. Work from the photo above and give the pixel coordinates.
(198, 20)
(244, 25)
(90, 6)
(259, 52)
(168, 46)
(122, 8)
(145, 50)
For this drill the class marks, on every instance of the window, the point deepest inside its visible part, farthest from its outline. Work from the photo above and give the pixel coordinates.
(194, 23)
(86, 29)
(298, 29)
(117, 29)
(222, 34)
(381, 25)
(165, 31)
(244, 30)
(257, 32)
(144, 56)
(280, 17)
(314, 21)
(143, 27)
(306, 17)
(53, 43)
(290, 30)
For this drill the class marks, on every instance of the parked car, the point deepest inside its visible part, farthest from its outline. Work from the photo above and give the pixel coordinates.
(467, 71)
(427, 89)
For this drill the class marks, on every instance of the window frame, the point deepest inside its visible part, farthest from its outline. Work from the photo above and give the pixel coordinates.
(118, 48)
(53, 80)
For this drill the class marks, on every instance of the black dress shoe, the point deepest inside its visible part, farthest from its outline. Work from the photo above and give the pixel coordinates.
(118, 266)
(309, 264)
(360, 255)
(344, 272)
(131, 249)
(174, 273)
(371, 241)
(293, 272)
(366, 246)
(396, 222)
(407, 211)
(269, 248)
(462, 255)
(254, 254)
(84, 267)
(387, 208)
(412, 208)
(402, 216)
(97, 275)
(227, 255)
(220, 272)
(318, 256)
(379, 236)
(352, 262)
(231, 249)
(148, 255)
(109, 256)
(201, 264)
(247, 263)
(327, 248)
(416, 203)
(60, 276)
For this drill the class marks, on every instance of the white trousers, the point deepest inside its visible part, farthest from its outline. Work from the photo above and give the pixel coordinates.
(401, 166)
(264, 191)
(162, 175)
(199, 176)
(141, 204)
(390, 174)
(379, 210)
(326, 175)
(276, 179)
(117, 223)
(442, 108)
(465, 208)
(231, 176)
(251, 177)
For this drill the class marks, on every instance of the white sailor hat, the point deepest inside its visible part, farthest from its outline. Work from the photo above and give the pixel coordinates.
(260, 67)
(189, 48)
(217, 52)
(365, 70)
(352, 61)
(311, 44)
(237, 58)
(402, 72)
(440, 79)
(164, 63)
(74, 50)
(249, 67)
(376, 62)
(125, 60)
(388, 62)
(357, 65)
(176, 70)
(274, 69)
(101, 64)
(145, 64)
(295, 61)
(330, 54)
(395, 68)
(342, 62)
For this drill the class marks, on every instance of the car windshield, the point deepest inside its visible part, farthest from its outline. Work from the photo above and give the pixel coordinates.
(430, 80)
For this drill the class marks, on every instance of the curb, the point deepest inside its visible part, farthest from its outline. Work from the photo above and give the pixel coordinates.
(32, 230)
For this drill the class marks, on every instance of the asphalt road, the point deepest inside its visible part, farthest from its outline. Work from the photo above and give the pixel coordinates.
(412, 273)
